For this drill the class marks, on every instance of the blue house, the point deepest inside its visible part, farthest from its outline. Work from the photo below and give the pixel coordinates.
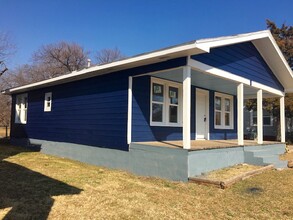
(154, 113)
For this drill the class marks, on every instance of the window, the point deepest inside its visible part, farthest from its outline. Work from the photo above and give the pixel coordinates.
(165, 103)
(48, 102)
(21, 109)
(223, 111)
(267, 118)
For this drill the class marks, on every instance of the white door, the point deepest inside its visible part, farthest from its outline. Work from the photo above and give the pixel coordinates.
(202, 114)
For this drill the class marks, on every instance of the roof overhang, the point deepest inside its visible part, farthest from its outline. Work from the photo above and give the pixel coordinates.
(263, 41)
(139, 60)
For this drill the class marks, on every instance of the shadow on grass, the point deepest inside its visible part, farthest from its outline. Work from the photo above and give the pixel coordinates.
(26, 192)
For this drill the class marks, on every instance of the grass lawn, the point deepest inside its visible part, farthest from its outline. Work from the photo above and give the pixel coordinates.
(38, 186)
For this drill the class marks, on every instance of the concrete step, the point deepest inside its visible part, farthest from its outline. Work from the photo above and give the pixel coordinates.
(281, 164)
(270, 158)
(258, 161)
(273, 160)
(267, 151)
(280, 146)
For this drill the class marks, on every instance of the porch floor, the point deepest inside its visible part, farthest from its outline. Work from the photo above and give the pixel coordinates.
(205, 144)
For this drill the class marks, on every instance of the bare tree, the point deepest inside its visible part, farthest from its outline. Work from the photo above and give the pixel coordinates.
(109, 55)
(60, 58)
(7, 48)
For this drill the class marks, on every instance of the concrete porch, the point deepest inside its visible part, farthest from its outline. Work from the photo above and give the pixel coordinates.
(206, 144)
(208, 155)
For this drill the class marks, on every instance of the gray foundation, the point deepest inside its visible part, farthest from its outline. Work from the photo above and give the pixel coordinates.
(170, 163)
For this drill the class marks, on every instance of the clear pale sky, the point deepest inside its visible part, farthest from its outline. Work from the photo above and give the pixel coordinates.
(134, 26)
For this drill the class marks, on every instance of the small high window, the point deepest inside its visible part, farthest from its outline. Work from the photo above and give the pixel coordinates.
(21, 109)
(48, 102)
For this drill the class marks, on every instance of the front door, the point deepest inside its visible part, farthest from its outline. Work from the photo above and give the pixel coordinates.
(202, 114)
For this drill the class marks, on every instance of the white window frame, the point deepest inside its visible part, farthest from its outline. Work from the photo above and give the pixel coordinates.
(265, 115)
(166, 103)
(48, 104)
(21, 106)
(223, 111)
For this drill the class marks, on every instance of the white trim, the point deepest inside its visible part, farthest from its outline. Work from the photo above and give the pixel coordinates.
(186, 106)
(230, 76)
(260, 39)
(21, 107)
(46, 107)
(166, 103)
(240, 115)
(217, 72)
(223, 97)
(139, 60)
(228, 40)
(282, 119)
(266, 88)
(129, 112)
(159, 71)
(207, 94)
(259, 117)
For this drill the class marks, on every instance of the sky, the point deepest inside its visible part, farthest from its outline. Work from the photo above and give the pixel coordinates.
(133, 26)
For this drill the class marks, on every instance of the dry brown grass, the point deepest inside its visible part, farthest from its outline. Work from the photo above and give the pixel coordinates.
(37, 186)
(229, 172)
(287, 156)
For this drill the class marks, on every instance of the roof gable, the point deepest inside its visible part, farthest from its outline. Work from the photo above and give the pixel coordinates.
(242, 59)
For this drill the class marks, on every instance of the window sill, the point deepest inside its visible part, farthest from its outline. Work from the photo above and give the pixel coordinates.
(224, 128)
(20, 123)
(164, 125)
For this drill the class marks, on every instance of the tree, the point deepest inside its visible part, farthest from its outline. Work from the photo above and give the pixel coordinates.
(109, 55)
(59, 58)
(7, 48)
(284, 39)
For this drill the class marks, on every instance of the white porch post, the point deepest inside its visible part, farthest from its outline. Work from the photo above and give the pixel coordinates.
(240, 115)
(259, 118)
(186, 106)
(282, 119)
(129, 116)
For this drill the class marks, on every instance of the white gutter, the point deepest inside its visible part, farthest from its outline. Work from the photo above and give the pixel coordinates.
(156, 56)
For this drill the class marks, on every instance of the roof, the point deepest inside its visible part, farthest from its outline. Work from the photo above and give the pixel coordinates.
(263, 41)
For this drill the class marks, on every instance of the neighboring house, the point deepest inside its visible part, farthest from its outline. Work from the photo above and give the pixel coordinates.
(270, 125)
(192, 91)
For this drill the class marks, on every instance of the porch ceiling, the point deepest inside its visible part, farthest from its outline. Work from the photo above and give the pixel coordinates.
(207, 81)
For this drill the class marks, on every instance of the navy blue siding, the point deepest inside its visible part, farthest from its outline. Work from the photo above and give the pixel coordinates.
(222, 134)
(90, 112)
(141, 129)
(243, 60)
